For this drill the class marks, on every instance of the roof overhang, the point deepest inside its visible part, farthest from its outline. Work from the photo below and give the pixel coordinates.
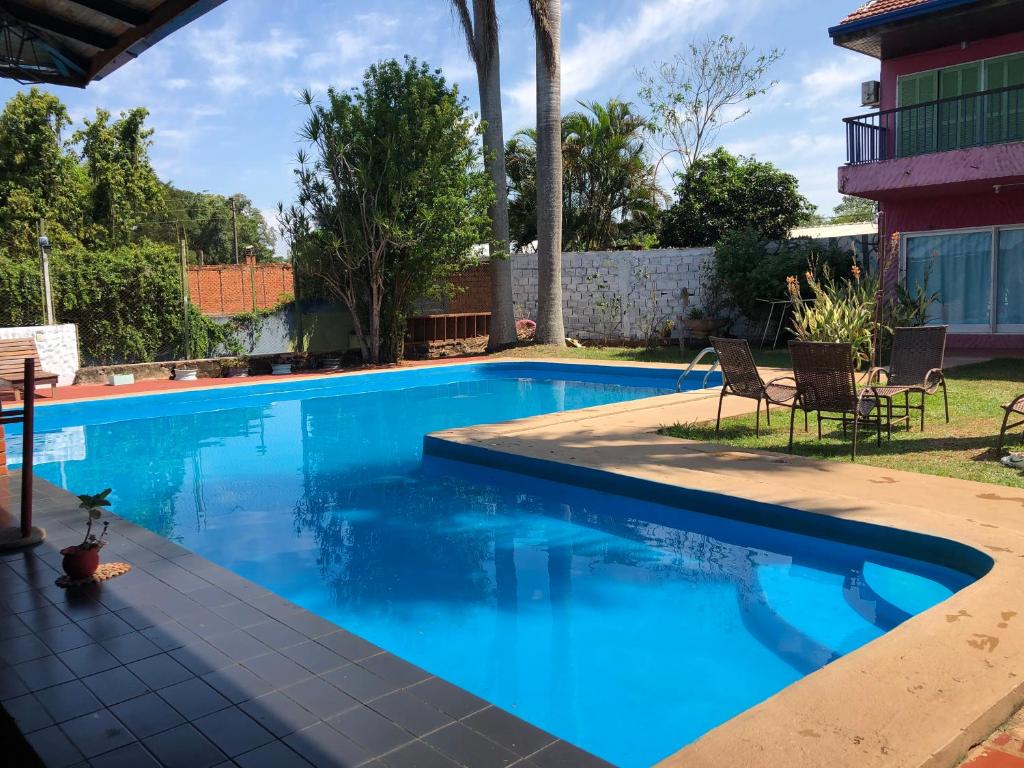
(73, 42)
(928, 26)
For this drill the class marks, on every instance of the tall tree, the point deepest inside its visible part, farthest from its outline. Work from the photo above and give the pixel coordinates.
(609, 192)
(393, 199)
(723, 192)
(481, 29)
(697, 93)
(547, 25)
(853, 210)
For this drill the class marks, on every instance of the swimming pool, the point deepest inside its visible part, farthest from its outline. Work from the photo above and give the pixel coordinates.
(627, 625)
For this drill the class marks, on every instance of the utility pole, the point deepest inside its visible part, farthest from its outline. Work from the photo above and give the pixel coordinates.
(184, 298)
(44, 269)
(234, 222)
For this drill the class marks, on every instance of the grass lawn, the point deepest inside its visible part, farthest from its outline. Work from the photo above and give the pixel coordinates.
(964, 448)
(777, 358)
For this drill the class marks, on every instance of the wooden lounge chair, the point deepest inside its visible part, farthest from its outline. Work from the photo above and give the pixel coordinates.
(742, 379)
(826, 383)
(13, 353)
(1014, 408)
(916, 365)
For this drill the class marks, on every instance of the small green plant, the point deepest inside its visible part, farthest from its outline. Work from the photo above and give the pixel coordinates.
(695, 313)
(93, 506)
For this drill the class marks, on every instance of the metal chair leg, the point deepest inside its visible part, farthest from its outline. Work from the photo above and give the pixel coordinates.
(757, 419)
(853, 451)
(767, 412)
(718, 421)
(945, 399)
(792, 419)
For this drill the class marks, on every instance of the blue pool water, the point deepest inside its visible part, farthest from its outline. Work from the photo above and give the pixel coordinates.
(629, 627)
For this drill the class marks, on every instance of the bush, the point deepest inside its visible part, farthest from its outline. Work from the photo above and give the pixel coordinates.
(842, 310)
(751, 267)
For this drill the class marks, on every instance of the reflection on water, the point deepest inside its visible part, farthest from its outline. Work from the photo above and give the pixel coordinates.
(624, 626)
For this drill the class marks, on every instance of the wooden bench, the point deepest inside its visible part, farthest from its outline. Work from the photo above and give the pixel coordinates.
(12, 365)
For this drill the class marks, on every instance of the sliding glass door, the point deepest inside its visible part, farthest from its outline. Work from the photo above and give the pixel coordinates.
(1010, 280)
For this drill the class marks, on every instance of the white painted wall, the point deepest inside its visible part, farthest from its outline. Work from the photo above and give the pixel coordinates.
(57, 345)
(616, 294)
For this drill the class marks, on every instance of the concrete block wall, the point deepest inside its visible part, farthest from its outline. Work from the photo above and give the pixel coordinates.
(616, 294)
(57, 345)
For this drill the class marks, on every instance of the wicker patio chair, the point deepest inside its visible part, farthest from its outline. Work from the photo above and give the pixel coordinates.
(741, 378)
(916, 364)
(1012, 409)
(826, 383)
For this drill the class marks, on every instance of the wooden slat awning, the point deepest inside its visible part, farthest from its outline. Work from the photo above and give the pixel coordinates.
(73, 42)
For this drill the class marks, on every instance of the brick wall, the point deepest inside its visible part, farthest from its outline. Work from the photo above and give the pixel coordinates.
(473, 291)
(227, 289)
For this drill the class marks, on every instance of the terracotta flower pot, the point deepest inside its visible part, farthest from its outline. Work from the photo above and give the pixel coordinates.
(80, 563)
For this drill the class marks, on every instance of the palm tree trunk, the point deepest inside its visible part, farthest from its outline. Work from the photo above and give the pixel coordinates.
(547, 20)
(488, 70)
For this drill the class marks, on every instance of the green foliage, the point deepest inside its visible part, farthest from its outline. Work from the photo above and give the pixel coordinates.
(394, 199)
(610, 194)
(722, 193)
(841, 310)
(21, 289)
(93, 506)
(751, 267)
(852, 210)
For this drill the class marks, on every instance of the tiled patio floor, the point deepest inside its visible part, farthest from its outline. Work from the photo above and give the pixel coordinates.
(183, 663)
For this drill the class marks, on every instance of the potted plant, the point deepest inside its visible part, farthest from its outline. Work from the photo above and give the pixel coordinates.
(185, 373)
(235, 367)
(82, 560)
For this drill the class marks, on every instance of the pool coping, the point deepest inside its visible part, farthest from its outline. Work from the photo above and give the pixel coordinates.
(922, 694)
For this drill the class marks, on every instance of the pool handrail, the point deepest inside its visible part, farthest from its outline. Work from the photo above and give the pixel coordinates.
(693, 363)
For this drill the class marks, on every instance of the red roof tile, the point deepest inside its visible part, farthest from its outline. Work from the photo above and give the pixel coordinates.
(878, 7)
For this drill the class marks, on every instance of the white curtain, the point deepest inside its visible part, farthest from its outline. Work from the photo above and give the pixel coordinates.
(959, 267)
(1010, 285)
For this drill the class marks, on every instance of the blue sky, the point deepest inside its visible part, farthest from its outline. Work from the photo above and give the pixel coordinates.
(222, 91)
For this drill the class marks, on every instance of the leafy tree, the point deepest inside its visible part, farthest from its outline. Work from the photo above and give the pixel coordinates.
(40, 178)
(481, 29)
(205, 220)
(609, 193)
(547, 27)
(697, 93)
(124, 188)
(392, 200)
(721, 193)
(852, 210)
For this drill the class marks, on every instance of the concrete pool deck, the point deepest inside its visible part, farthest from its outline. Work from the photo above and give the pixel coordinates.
(922, 695)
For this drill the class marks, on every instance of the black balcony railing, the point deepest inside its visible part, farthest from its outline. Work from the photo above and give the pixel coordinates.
(973, 120)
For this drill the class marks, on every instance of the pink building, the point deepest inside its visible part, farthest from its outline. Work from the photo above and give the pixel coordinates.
(943, 154)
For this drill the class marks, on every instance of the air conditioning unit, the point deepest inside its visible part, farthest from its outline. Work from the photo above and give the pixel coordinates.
(869, 93)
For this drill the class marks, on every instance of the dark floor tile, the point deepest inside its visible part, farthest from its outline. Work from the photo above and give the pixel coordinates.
(81, 604)
(326, 748)
(278, 714)
(469, 748)
(371, 729)
(394, 669)
(68, 700)
(211, 596)
(143, 616)
(131, 647)
(89, 659)
(159, 671)
(193, 698)
(36, 611)
(97, 732)
(170, 635)
(237, 683)
(12, 626)
(233, 731)
(183, 747)
(359, 683)
(64, 638)
(314, 657)
(416, 754)
(319, 697)
(562, 754)
(115, 685)
(238, 645)
(28, 713)
(105, 626)
(130, 756)
(276, 754)
(147, 715)
(42, 673)
(275, 634)
(239, 614)
(54, 748)
(413, 714)
(10, 684)
(201, 657)
(447, 697)
(311, 625)
(204, 622)
(509, 731)
(15, 650)
(352, 647)
(276, 669)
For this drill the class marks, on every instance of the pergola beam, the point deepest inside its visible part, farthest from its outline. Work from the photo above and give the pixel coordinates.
(50, 23)
(115, 10)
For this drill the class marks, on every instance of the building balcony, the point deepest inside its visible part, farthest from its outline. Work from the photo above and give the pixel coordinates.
(974, 141)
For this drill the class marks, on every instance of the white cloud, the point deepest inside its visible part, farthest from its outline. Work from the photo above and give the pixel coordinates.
(836, 79)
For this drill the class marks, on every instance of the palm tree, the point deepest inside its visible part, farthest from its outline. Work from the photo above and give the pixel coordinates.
(547, 24)
(481, 29)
